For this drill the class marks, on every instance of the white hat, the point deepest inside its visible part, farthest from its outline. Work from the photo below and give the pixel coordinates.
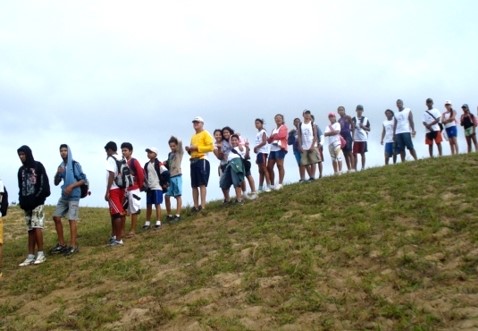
(448, 102)
(198, 119)
(152, 149)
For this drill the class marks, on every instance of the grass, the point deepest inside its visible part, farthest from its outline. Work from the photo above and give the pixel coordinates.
(390, 248)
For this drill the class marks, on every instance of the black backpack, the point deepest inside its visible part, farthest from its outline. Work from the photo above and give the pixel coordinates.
(125, 178)
(84, 188)
(4, 204)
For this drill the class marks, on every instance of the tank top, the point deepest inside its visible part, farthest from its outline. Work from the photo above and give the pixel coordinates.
(403, 125)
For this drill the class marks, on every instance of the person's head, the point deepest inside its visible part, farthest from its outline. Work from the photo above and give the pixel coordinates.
(448, 105)
(235, 140)
(26, 156)
(341, 111)
(227, 132)
(429, 103)
(389, 114)
(111, 148)
(279, 119)
(400, 104)
(173, 144)
(152, 153)
(259, 122)
(332, 118)
(465, 108)
(218, 135)
(296, 122)
(64, 151)
(307, 115)
(198, 123)
(127, 150)
(359, 110)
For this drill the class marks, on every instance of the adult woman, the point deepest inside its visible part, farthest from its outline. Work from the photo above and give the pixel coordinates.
(261, 148)
(448, 118)
(278, 151)
(468, 123)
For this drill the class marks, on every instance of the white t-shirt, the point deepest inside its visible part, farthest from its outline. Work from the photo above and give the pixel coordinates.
(427, 118)
(112, 167)
(233, 155)
(388, 126)
(403, 125)
(307, 135)
(447, 115)
(152, 180)
(335, 139)
(258, 140)
(275, 146)
(359, 133)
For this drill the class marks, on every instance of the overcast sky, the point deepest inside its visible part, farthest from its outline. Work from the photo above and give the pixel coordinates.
(86, 72)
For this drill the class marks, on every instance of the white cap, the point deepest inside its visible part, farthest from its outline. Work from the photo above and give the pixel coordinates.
(198, 119)
(152, 149)
(448, 102)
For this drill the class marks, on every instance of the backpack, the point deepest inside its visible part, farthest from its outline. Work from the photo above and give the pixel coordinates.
(4, 205)
(124, 178)
(85, 187)
(164, 176)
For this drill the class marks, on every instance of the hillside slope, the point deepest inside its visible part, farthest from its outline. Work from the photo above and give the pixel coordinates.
(388, 248)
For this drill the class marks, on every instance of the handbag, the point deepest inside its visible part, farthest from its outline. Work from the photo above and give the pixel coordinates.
(343, 142)
(440, 124)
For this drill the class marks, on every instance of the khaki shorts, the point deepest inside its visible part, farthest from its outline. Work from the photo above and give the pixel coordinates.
(309, 157)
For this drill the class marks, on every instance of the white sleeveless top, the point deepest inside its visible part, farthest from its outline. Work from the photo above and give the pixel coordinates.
(264, 149)
(403, 125)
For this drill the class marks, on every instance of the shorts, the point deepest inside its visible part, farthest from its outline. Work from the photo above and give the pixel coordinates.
(115, 202)
(200, 170)
(247, 167)
(452, 131)
(403, 140)
(469, 132)
(133, 202)
(154, 197)
(309, 157)
(35, 219)
(277, 155)
(1, 231)
(359, 147)
(433, 136)
(67, 208)
(335, 152)
(390, 149)
(297, 156)
(321, 153)
(229, 178)
(348, 138)
(175, 186)
(261, 159)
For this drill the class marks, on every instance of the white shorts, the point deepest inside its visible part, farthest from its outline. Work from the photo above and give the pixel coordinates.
(335, 152)
(134, 202)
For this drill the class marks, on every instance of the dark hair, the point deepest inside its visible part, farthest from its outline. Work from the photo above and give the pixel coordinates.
(111, 145)
(393, 114)
(63, 146)
(217, 130)
(127, 146)
(228, 128)
(235, 136)
(259, 120)
(173, 139)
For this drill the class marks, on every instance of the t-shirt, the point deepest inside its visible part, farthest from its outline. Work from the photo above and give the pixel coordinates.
(175, 159)
(152, 178)
(238, 153)
(428, 118)
(447, 115)
(112, 167)
(359, 133)
(307, 135)
(403, 124)
(204, 142)
(258, 141)
(388, 126)
(335, 139)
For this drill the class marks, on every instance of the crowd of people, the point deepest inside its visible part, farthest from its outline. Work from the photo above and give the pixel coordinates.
(345, 137)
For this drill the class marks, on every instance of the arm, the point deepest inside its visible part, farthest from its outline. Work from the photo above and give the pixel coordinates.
(140, 173)
(264, 142)
(383, 134)
(207, 144)
(412, 124)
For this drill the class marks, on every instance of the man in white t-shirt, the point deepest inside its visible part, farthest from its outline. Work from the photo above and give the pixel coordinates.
(360, 135)
(307, 137)
(404, 130)
(431, 120)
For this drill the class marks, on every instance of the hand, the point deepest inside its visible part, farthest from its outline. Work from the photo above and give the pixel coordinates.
(107, 196)
(67, 190)
(381, 143)
(60, 170)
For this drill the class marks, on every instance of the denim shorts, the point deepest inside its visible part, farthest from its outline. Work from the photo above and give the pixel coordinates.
(277, 155)
(175, 186)
(403, 140)
(67, 208)
(154, 197)
(452, 131)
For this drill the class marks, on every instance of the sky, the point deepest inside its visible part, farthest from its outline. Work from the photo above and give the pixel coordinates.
(87, 72)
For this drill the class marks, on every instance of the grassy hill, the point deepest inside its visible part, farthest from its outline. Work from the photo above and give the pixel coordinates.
(391, 248)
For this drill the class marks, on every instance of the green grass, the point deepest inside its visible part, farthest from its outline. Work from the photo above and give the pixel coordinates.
(390, 248)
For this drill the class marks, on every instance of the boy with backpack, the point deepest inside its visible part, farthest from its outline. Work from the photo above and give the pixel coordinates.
(69, 203)
(173, 163)
(361, 129)
(33, 189)
(133, 196)
(156, 181)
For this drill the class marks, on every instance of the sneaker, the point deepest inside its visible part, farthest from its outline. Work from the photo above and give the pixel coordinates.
(157, 225)
(177, 218)
(58, 249)
(146, 226)
(196, 210)
(28, 261)
(40, 259)
(278, 187)
(117, 243)
(267, 189)
(239, 202)
(71, 251)
(112, 238)
(252, 196)
(169, 218)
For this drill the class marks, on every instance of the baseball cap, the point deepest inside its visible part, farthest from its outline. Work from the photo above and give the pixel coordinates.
(332, 115)
(359, 107)
(464, 105)
(111, 145)
(429, 100)
(152, 149)
(198, 119)
(447, 102)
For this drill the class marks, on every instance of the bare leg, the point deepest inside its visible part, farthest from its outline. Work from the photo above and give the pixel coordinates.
(59, 230)
(280, 167)
(73, 233)
(203, 190)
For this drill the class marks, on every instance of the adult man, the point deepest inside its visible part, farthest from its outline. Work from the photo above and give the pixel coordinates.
(114, 195)
(346, 129)
(2, 193)
(361, 129)
(431, 120)
(133, 195)
(201, 144)
(402, 127)
(68, 205)
(33, 189)
(307, 137)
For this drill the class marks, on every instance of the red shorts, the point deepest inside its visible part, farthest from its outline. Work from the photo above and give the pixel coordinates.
(115, 201)
(359, 147)
(433, 135)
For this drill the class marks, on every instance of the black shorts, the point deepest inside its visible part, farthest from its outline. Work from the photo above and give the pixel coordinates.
(200, 170)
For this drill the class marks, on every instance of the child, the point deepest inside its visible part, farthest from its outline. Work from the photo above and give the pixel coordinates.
(387, 137)
(247, 170)
(2, 191)
(173, 163)
(332, 132)
(261, 148)
(234, 172)
(154, 192)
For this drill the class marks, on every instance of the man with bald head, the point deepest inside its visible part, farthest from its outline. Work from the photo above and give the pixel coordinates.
(404, 130)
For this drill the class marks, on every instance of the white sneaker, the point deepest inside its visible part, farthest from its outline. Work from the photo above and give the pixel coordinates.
(40, 259)
(278, 187)
(253, 195)
(267, 189)
(28, 261)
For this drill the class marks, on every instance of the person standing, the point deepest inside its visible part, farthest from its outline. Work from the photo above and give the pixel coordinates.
(448, 118)
(201, 144)
(261, 148)
(307, 136)
(278, 150)
(175, 157)
(114, 195)
(153, 170)
(387, 137)
(360, 134)
(431, 120)
(33, 189)
(404, 130)
(2, 196)
(346, 129)
(70, 172)
(293, 139)
(332, 133)
(468, 123)
(133, 193)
